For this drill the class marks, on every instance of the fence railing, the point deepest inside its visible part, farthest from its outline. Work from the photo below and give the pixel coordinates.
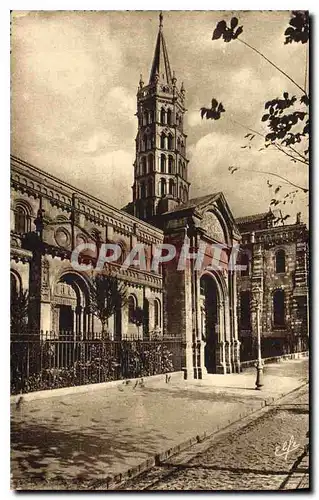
(49, 360)
(273, 346)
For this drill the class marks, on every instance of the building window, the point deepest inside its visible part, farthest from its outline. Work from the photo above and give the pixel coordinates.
(145, 118)
(244, 261)
(245, 321)
(180, 168)
(162, 187)
(163, 141)
(163, 116)
(185, 194)
(171, 186)
(280, 261)
(150, 187)
(131, 303)
(144, 143)
(170, 142)
(178, 144)
(169, 117)
(143, 190)
(157, 313)
(150, 163)
(143, 165)
(279, 308)
(170, 165)
(22, 220)
(163, 164)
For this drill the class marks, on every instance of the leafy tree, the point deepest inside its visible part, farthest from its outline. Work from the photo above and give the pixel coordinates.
(138, 318)
(286, 117)
(19, 304)
(107, 295)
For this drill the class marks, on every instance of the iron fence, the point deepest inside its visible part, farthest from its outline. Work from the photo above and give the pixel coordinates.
(49, 360)
(273, 346)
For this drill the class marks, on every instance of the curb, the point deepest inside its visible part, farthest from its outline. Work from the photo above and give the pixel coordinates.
(79, 389)
(116, 480)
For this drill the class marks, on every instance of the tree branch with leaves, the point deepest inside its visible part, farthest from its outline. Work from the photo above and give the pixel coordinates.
(286, 117)
(108, 294)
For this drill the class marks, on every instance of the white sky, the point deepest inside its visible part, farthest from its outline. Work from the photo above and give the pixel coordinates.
(74, 78)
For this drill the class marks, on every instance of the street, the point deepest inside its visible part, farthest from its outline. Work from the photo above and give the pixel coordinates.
(267, 453)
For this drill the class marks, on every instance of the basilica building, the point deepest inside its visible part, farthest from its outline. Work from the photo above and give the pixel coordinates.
(209, 308)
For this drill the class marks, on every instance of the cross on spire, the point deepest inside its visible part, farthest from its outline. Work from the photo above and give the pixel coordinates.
(161, 20)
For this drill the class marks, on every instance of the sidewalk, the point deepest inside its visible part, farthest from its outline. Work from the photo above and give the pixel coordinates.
(77, 441)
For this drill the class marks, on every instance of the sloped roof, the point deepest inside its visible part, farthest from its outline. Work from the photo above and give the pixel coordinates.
(253, 217)
(193, 203)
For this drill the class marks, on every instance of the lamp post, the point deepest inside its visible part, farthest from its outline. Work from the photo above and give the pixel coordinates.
(259, 364)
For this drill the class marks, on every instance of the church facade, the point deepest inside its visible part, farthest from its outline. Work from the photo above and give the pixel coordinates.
(198, 303)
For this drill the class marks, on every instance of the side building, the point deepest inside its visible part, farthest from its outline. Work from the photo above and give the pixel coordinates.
(274, 276)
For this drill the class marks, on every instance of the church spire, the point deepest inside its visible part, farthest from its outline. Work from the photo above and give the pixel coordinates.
(161, 70)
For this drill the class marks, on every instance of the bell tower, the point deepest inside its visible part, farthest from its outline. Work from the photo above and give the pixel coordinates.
(160, 167)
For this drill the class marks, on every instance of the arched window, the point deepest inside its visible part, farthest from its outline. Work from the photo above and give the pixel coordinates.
(170, 165)
(181, 192)
(131, 305)
(22, 218)
(15, 283)
(280, 261)
(150, 188)
(279, 308)
(163, 141)
(178, 144)
(171, 186)
(150, 163)
(162, 187)
(150, 116)
(184, 171)
(185, 194)
(180, 168)
(163, 116)
(143, 161)
(170, 142)
(144, 143)
(245, 321)
(149, 142)
(145, 117)
(143, 190)
(169, 117)
(163, 164)
(157, 313)
(244, 261)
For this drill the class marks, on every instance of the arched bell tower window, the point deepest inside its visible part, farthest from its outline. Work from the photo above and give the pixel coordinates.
(143, 161)
(144, 143)
(163, 116)
(143, 190)
(170, 165)
(150, 187)
(280, 261)
(162, 187)
(180, 168)
(163, 164)
(169, 117)
(163, 141)
(150, 163)
(171, 186)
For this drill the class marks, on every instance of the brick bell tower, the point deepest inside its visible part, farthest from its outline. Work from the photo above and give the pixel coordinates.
(160, 167)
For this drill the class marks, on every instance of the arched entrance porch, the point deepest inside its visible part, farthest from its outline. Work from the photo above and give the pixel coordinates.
(212, 322)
